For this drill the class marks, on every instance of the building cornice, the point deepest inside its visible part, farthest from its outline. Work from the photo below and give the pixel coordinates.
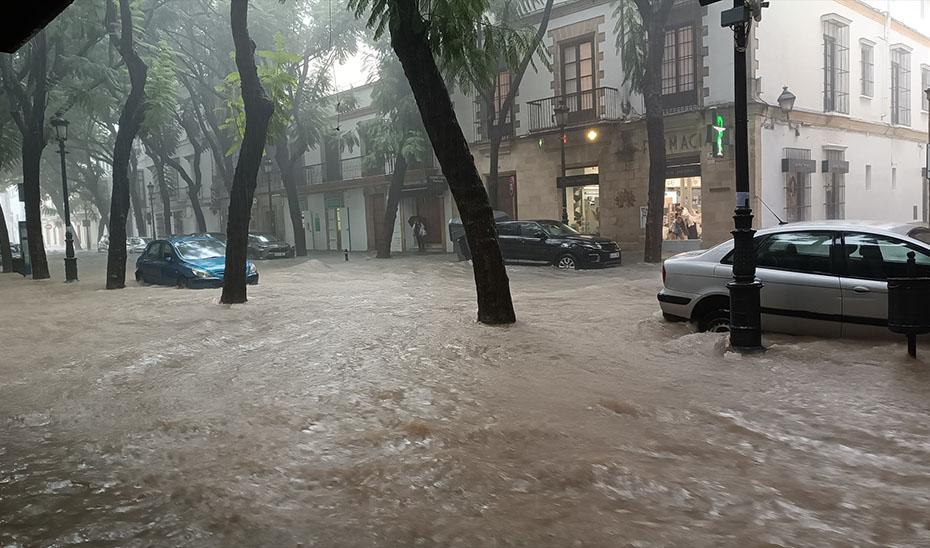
(878, 16)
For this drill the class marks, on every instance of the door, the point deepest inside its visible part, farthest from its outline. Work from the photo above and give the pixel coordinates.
(801, 287)
(507, 194)
(378, 206)
(151, 265)
(578, 79)
(429, 207)
(508, 234)
(869, 261)
(334, 229)
(533, 247)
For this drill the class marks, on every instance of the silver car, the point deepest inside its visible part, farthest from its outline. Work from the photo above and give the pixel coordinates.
(825, 278)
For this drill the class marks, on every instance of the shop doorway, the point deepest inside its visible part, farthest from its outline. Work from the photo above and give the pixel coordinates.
(682, 208)
(429, 207)
(582, 201)
(334, 229)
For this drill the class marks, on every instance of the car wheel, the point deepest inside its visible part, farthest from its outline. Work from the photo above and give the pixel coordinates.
(138, 276)
(566, 262)
(715, 321)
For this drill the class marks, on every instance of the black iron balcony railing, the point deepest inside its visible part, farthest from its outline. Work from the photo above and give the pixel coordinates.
(583, 107)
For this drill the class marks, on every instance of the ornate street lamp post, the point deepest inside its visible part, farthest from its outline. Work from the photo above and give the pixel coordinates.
(267, 165)
(61, 134)
(152, 209)
(560, 113)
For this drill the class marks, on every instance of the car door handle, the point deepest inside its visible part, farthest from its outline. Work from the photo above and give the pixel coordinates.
(860, 289)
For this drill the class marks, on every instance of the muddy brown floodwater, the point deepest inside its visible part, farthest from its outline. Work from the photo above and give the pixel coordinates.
(358, 404)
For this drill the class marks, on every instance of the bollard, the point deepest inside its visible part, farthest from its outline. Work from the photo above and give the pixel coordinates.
(346, 251)
(909, 305)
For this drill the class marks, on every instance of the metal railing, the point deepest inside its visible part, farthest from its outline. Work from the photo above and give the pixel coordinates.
(583, 107)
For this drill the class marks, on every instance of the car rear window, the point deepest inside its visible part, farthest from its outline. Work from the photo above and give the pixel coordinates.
(920, 234)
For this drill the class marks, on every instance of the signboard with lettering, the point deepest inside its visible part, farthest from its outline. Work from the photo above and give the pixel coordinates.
(678, 142)
(576, 180)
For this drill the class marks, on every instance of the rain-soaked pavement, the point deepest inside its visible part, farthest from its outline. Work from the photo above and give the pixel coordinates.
(359, 404)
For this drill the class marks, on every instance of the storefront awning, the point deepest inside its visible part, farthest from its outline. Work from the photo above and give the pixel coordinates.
(568, 181)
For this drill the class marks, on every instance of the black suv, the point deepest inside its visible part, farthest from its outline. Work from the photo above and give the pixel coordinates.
(554, 242)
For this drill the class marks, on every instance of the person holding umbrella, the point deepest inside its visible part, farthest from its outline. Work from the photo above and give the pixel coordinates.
(419, 231)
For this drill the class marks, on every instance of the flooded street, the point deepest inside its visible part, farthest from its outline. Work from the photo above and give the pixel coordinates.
(359, 404)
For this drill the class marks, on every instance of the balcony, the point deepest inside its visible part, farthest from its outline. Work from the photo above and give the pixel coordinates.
(584, 107)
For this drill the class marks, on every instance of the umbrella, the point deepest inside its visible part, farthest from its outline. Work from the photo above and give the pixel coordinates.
(414, 219)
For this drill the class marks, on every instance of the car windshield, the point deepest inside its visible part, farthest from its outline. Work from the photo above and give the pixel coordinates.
(200, 249)
(921, 234)
(557, 229)
(261, 238)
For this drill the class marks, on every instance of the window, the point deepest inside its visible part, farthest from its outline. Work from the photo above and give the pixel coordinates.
(678, 73)
(797, 251)
(924, 85)
(835, 67)
(875, 257)
(900, 87)
(530, 230)
(578, 75)
(868, 177)
(835, 188)
(868, 69)
(797, 188)
(508, 229)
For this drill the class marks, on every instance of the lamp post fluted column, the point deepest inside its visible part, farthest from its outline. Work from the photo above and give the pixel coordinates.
(61, 130)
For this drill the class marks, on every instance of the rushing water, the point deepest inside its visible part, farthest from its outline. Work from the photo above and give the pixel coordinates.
(359, 404)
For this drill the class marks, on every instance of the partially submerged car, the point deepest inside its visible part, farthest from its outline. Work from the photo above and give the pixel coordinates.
(187, 261)
(827, 278)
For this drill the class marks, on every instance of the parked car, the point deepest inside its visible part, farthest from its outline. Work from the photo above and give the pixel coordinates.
(137, 244)
(555, 243)
(221, 236)
(187, 261)
(457, 234)
(820, 278)
(104, 244)
(267, 246)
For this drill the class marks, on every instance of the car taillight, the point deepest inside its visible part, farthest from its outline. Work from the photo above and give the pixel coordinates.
(663, 273)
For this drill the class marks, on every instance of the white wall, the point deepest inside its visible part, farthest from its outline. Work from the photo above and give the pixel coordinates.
(357, 225)
(882, 202)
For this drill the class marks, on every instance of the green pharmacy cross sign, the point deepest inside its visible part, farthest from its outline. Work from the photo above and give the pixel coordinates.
(717, 135)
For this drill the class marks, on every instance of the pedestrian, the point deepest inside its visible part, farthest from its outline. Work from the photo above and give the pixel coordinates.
(690, 226)
(675, 224)
(419, 232)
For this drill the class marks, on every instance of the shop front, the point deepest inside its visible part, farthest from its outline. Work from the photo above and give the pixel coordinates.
(580, 193)
(682, 201)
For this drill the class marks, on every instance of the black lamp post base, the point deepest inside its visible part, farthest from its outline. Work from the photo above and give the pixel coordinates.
(745, 316)
(71, 273)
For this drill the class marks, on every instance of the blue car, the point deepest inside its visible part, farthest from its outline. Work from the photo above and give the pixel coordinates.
(187, 261)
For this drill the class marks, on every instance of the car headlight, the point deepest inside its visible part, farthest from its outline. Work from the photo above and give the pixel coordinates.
(201, 273)
(590, 245)
(252, 269)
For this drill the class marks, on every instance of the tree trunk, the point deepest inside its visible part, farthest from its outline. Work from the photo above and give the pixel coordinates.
(654, 21)
(411, 44)
(258, 111)
(130, 121)
(6, 254)
(137, 198)
(33, 144)
(282, 155)
(494, 133)
(390, 210)
(164, 195)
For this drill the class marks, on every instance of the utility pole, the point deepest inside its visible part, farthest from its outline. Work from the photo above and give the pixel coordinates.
(745, 289)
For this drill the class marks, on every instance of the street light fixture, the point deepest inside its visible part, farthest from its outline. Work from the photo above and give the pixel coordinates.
(786, 104)
(152, 209)
(560, 114)
(61, 134)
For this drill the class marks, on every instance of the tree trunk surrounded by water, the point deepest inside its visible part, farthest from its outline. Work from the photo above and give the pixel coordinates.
(410, 41)
(390, 209)
(258, 111)
(130, 120)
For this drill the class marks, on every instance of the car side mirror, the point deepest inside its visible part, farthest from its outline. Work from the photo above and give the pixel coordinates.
(542, 235)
